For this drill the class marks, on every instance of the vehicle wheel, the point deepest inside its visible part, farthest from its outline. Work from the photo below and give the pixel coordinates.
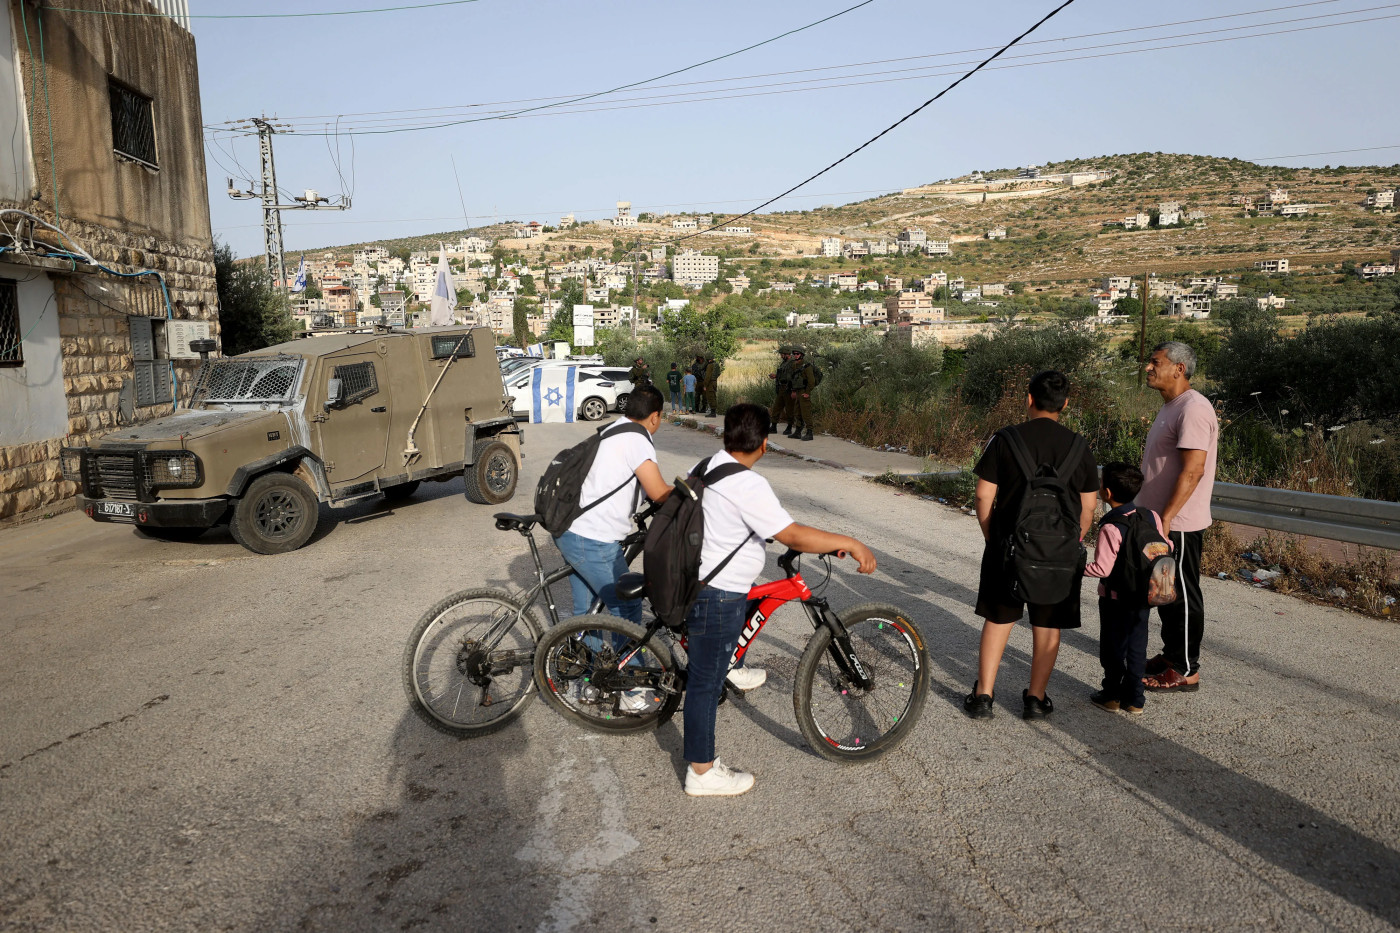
(593, 409)
(401, 492)
(468, 668)
(276, 513)
(622, 401)
(576, 673)
(170, 534)
(491, 479)
(839, 720)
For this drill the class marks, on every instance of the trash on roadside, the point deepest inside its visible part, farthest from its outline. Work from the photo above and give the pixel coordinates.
(1222, 575)
(1337, 592)
(1263, 576)
(1254, 556)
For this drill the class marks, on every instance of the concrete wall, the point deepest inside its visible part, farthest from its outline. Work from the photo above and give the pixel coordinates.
(130, 217)
(17, 181)
(32, 396)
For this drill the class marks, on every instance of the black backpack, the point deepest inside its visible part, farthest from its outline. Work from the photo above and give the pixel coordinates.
(1144, 573)
(1044, 553)
(671, 555)
(557, 495)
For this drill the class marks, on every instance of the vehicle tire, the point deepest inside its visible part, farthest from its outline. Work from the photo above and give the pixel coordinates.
(622, 401)
(401, 492)
(593, 409)
(491, 478)
(840, 721)
(576, 674)
(170, 534)
(277, 513)
(446, 664)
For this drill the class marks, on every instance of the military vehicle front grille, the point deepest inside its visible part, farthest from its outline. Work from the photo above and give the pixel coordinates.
(116, 475)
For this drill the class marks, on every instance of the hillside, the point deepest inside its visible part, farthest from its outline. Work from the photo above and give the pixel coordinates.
(1055, 234)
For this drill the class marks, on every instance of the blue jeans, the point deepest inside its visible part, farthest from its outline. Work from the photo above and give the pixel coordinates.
(675, 399)
(715, 623)
(597, 567)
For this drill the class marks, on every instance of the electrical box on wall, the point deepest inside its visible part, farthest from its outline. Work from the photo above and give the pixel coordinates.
(178, 335)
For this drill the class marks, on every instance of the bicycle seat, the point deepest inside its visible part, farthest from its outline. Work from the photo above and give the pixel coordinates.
(506, 521)
(630, 586)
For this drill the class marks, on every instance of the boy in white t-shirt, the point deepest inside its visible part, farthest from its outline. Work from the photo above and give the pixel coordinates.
(625, 468)
(741, 511)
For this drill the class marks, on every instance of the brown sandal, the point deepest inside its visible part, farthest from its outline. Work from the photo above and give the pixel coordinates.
(1171, 680)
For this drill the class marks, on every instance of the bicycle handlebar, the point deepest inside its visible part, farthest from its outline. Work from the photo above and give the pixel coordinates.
(791, 554)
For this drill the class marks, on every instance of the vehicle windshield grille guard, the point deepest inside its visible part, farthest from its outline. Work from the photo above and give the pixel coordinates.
(249, 379)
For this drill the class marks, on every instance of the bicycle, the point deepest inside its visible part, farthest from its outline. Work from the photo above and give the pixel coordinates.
(468, 668)
(852, 703)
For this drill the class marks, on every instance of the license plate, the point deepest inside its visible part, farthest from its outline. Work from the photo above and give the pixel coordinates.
(123, 509)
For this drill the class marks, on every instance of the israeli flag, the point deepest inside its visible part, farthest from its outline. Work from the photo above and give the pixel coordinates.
(552, 394)
(299, 285)
(444, 300)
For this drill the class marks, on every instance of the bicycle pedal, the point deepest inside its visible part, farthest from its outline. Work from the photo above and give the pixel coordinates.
(668, 683)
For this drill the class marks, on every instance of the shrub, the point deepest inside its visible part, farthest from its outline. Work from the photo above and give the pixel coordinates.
(1013, 354)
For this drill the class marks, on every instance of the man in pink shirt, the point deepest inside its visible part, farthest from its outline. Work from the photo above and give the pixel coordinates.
(1178, 468)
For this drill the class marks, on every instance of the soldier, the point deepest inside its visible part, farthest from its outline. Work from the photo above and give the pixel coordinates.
(782, 401)
(698, 370)
(712, 369)
(804, 381)
(640, 373)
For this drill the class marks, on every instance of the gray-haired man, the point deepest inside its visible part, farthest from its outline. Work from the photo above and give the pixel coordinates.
(1178, 469)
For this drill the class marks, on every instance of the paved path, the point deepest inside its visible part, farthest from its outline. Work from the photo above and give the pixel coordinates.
(196, 738)
(835, 452)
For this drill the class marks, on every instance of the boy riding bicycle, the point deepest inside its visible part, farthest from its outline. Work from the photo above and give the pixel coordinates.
(741, 512)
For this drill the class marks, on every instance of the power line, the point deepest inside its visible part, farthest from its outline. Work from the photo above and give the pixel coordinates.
(924, 74)
(887, 130)
(1301, 155)
(384, 9)
(530, 100)
(620, 87)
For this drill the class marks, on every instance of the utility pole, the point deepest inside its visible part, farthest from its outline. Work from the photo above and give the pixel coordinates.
(273, 253)
(1142, 329)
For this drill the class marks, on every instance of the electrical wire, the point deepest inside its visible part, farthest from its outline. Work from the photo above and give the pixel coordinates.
(620, 87)
(352, 131)
(1301, 155)
(385, 9)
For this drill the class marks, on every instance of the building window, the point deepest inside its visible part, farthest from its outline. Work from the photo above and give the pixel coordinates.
(11, 338)
(133, 124)
(153, 383)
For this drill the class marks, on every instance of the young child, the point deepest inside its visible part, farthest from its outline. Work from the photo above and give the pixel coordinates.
(1122, 627)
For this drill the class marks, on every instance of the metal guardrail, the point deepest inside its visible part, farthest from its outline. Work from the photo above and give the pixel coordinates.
(1335, 518)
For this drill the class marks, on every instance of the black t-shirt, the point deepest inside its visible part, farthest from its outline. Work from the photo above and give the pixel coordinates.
(1049, 443)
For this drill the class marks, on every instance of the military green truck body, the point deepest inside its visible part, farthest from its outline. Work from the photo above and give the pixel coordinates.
(268, 435)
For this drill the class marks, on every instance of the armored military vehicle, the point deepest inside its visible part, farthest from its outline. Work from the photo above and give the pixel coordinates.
(269, 434)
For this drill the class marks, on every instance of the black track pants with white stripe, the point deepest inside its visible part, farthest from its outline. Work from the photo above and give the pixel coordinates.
(1184, 621)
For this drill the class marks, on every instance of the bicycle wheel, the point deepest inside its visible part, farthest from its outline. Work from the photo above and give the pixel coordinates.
(468, 668)
(577, 670)
(843, 722)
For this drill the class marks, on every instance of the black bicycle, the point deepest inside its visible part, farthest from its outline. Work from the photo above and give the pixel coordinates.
(860, 686)
(468, 668)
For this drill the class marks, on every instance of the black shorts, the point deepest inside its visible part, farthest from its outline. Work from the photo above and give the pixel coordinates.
(997, 603)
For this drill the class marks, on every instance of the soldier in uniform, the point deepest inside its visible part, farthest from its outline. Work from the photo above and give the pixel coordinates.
(782, 399)
(711, 383)
(804, 380)
(640, 373)
(698, 369)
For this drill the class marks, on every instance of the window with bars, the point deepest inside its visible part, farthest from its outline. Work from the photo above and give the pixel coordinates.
(11, 337)
(133, 124)
(357, 381)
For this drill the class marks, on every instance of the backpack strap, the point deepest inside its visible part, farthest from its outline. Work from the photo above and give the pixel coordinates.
(710, 478)
(631, 427)
(1075, 456)
(1019, 451)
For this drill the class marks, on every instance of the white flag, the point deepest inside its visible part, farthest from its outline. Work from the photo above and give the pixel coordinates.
(444, 295)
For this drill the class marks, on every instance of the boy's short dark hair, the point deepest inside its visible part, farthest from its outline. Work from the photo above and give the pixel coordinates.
(745, 428)
(1049, 390)
(1122, 480)
(644, 402)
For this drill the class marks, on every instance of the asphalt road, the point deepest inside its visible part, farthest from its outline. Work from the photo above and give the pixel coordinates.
(197, 738)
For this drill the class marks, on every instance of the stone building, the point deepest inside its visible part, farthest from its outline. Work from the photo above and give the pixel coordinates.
(108, 272)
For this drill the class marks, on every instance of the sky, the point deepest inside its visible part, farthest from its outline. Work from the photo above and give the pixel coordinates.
(1301, 90)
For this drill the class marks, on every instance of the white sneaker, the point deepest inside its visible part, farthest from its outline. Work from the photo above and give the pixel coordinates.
(747, 678)
(633, 701)
(720, 781)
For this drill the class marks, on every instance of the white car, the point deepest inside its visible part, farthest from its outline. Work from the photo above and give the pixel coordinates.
(595, 394)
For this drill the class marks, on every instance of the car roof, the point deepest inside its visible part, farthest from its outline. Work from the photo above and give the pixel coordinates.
(322, 345)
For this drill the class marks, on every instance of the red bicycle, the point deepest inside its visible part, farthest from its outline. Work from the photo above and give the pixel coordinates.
(860, 685)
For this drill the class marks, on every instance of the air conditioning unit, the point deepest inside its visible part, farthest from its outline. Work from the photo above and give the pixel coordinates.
(178, 335)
